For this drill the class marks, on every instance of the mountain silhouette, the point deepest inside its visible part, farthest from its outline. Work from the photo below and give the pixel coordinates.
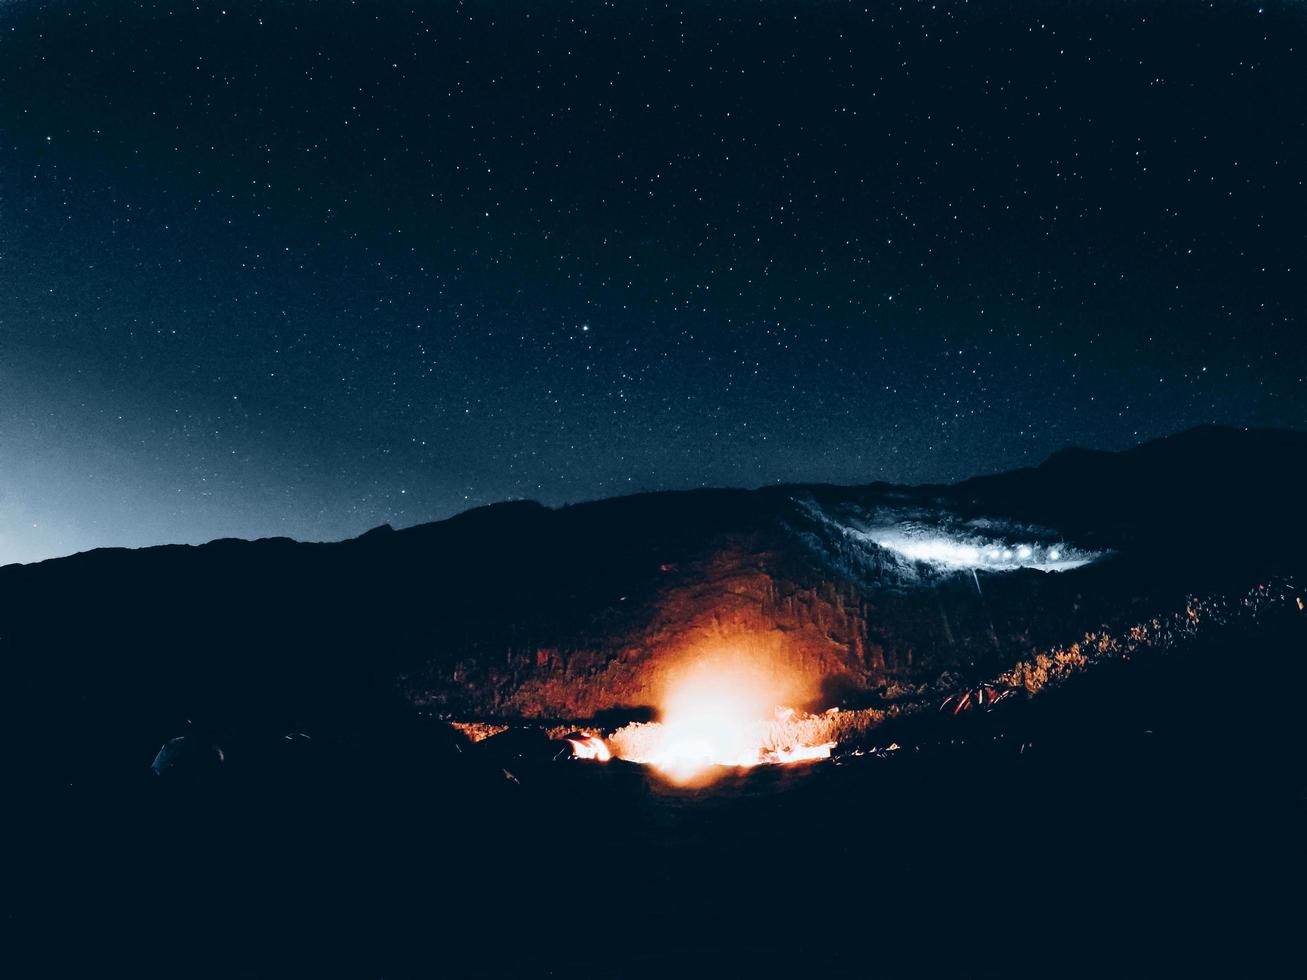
(518, 610)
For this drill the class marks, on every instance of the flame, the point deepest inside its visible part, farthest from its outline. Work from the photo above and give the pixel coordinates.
(718, 713)
(801, 753)
(590, 747)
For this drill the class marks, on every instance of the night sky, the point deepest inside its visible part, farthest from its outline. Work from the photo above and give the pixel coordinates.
(304, 268)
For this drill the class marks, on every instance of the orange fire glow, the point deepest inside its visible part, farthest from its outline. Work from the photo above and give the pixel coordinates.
(590, 747)
(799, 753)
(719, 713)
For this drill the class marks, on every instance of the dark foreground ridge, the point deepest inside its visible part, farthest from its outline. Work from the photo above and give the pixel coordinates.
(319, 818)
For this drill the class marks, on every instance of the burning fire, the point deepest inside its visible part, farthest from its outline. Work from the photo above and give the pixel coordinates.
(719, 714)
(590, 747)
(800, 753)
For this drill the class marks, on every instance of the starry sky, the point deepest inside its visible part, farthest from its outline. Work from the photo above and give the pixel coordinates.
(303, 268)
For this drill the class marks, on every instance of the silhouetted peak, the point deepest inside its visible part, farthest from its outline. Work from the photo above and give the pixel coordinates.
(1073, 456)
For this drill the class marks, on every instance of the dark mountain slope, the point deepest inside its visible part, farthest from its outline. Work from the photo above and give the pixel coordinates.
(516, 609)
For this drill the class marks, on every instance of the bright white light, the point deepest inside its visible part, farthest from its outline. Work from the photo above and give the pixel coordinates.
(968, 553)
(940, 551)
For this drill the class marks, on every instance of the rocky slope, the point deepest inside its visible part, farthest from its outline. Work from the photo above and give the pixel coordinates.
(521, 611)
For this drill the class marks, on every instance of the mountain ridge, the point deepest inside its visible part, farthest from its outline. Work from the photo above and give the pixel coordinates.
(518, 610)
(1209, 437)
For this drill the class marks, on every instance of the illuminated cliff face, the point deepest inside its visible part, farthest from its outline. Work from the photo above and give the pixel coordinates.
(782, 640)
(818, 614)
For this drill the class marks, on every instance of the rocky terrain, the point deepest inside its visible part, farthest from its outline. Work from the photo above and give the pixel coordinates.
(518, 611)
(233, 759)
